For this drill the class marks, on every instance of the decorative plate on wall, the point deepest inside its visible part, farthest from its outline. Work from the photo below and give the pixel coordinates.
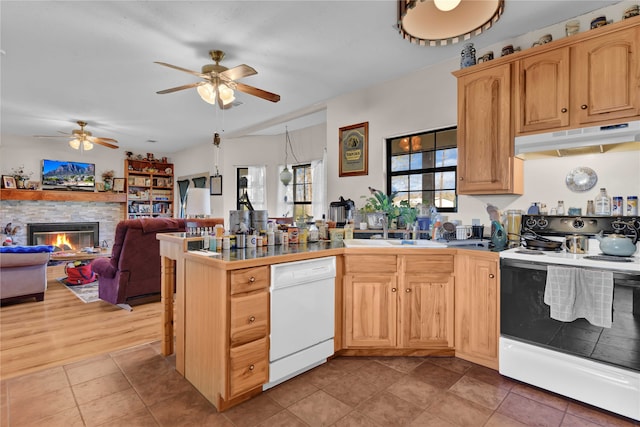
(581, 179)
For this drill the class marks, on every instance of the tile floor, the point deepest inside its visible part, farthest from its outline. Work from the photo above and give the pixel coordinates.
(139, 387)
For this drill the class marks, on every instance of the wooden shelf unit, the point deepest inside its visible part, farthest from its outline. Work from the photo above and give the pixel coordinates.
(149, 188)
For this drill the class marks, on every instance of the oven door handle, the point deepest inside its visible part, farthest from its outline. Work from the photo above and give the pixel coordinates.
(627, 276)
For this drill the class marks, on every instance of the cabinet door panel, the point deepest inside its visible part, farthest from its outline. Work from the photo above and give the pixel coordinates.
(542, 91)
(370, 305)
(485, 142)
(426, 311)
(477, 311)
(606, 77)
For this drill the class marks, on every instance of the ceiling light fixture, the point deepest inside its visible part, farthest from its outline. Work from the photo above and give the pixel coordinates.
(445, 22)
(208, 93)
(75, 144)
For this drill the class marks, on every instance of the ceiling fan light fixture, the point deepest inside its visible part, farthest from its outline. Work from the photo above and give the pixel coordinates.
(208, 93)
(86, 145)
(75, 144)
(446, 5)
(445, 22)
(226, 94)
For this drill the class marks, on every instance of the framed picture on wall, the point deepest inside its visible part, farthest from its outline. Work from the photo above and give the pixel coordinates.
(215, 185)
(118, 184)
(354, 150)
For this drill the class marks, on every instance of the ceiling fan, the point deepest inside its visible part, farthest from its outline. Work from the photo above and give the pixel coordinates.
(83, 138)
(220, 82)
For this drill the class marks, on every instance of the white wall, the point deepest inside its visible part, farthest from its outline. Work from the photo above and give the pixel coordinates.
(308, 144)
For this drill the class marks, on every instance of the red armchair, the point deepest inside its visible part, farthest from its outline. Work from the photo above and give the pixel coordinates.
(132, 274)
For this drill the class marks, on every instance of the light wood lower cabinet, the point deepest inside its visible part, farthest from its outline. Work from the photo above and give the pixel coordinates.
(226, 331)
(399, 301)
(477, 301)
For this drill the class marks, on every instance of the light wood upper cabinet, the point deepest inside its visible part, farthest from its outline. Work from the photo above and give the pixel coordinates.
(606, 77)
(486, 162)
(542, 91)
(593, 81)
(477, 299)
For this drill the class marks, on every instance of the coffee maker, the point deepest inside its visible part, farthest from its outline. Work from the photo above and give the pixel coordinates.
(342, 211)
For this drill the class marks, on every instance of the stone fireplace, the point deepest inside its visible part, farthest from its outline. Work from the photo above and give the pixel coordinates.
(64, 236)
(20, 213)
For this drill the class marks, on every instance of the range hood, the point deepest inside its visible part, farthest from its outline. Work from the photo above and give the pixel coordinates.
(580, 141)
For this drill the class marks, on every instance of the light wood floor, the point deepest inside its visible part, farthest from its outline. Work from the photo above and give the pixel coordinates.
(62, 329)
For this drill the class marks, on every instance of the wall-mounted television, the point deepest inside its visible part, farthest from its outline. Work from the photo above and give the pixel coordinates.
(68, 175)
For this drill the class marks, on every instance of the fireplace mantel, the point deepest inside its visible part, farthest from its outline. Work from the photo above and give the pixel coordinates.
(62, 196)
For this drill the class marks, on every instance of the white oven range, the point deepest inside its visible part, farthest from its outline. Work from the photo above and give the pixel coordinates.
(592, 363)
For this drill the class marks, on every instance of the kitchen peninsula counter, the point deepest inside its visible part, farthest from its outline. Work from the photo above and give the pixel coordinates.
(226, 358)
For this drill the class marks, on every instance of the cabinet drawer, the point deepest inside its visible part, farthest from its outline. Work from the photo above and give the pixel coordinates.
(428, 263)
(249, 318)
(370, 264)
(249, 367)
(249, 279)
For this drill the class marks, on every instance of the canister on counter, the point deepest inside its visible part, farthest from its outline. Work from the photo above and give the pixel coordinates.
(617, 206)
(632, 205)
(293, 235)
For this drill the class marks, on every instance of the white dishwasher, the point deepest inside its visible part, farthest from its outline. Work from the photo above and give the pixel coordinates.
(302, 317)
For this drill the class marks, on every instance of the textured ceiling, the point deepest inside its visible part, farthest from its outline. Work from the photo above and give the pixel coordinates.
(64, 61)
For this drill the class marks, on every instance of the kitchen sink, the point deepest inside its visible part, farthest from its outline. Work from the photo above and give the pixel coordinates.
(391, 243)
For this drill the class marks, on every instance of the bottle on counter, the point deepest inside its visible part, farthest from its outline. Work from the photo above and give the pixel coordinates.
(560, 208)
(602, 203)
(534, 209)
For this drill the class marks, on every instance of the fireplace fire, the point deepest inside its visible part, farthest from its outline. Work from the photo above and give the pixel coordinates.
(64, 236)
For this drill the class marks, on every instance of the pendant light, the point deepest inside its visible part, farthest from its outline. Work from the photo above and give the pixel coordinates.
(286, 176)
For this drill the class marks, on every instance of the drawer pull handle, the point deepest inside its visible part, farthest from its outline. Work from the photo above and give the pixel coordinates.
(251, 367)
(564, 110)
(407, 290)
(583, 106)
(393, 289)
(491, 276)
(252, 279)
(252, 319)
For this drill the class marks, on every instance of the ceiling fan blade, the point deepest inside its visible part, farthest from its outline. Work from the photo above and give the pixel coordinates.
(239, 72)
(175, 67)
(175, 89)
(52, 136)
(257, 92)
(102, 141)
(96, 139)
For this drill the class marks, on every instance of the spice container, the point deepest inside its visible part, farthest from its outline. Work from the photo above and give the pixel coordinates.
(617, 207)
(632, 205)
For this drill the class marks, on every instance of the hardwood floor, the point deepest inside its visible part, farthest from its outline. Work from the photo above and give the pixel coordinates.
(62, 329)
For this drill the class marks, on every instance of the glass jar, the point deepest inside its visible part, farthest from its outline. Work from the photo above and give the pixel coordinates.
(560, 208)
(603, 203)
(591, 210)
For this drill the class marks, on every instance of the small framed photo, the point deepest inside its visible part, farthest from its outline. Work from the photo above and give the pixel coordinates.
(118, 185)
(215, 187)
(33, 185)
(8, 181)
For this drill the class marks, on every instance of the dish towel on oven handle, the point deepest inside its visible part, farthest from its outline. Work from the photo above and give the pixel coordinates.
(573, 293)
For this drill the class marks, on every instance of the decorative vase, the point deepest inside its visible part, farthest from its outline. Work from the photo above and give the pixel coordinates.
(108, 184)
(20, 183)
(468, 56)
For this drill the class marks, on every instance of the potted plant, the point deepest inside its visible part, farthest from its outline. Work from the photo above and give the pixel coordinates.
(408, 214)
(20, 176)
(379, 204)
